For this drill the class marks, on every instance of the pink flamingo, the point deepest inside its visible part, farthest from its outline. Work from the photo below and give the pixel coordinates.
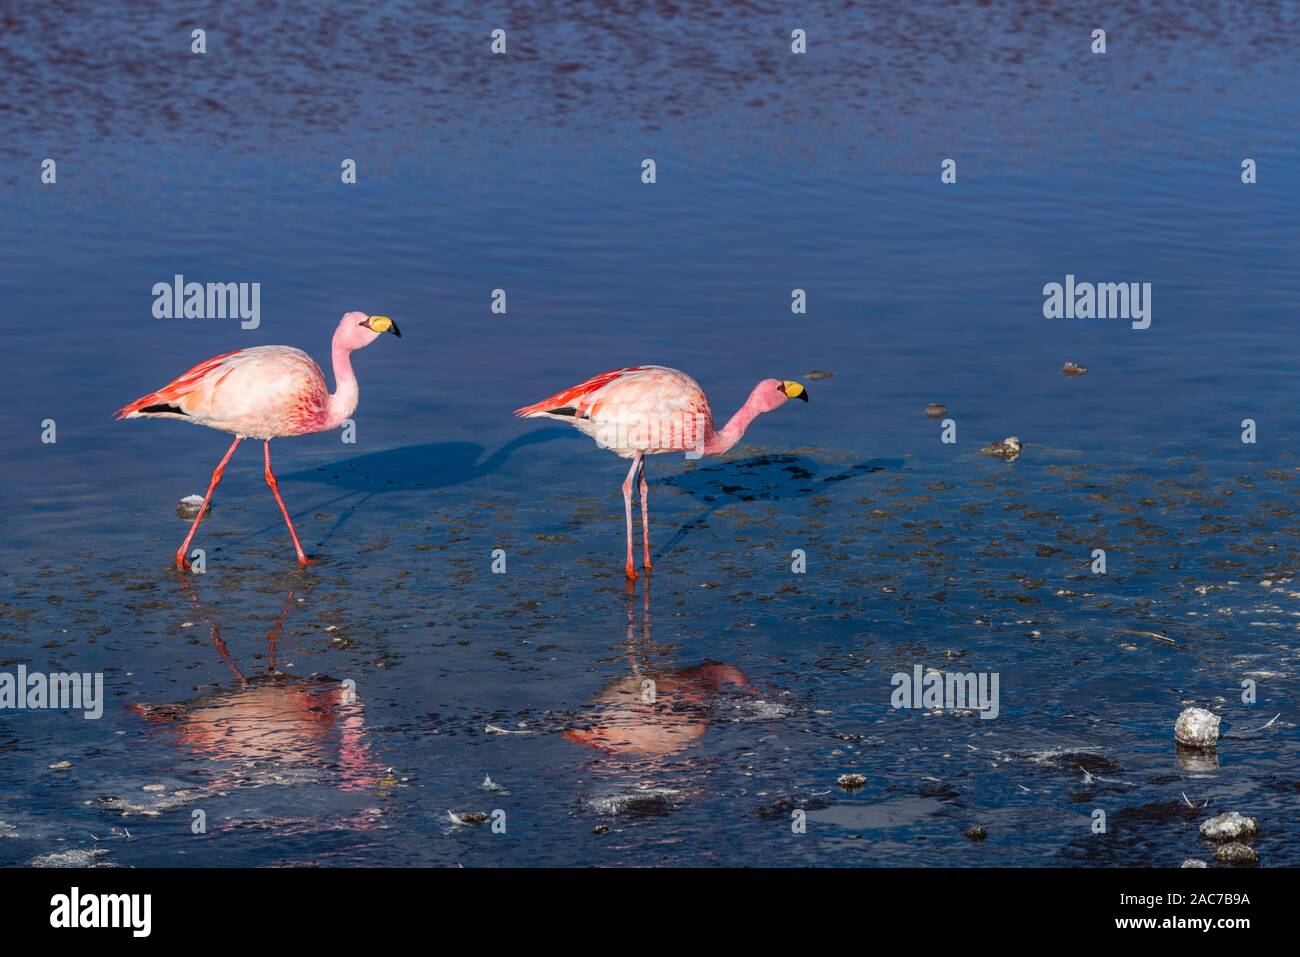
(647, 410)
(263, 393)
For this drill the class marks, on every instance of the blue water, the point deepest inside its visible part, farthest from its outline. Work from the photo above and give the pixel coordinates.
(775, 172)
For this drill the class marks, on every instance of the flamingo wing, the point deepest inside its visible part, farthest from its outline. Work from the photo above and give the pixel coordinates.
(261, 392)
(650, 409)
(572, 401)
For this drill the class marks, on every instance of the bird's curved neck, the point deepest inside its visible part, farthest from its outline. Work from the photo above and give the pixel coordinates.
(734, 430)
(343, 401)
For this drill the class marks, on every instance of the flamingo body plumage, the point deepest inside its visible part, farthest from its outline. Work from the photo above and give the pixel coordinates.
(264, 392)
(648, 410)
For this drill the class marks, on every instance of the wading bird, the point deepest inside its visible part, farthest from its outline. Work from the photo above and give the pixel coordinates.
(647, 410)
(264, 392)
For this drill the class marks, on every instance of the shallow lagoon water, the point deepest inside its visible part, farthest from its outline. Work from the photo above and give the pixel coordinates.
(783, 680)
(226, 688)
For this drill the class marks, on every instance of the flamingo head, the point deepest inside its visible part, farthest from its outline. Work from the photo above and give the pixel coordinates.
(357, 330)
(773, 393)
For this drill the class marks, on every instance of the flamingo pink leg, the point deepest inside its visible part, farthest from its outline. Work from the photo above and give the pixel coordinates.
(182, 562)
(275, 488)
(645, 519)
(630, 568)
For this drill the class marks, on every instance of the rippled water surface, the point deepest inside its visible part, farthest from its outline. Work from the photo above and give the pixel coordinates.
(335, 715)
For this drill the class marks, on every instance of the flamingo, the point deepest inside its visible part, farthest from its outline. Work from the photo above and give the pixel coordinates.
(264, 392)
(648, 410)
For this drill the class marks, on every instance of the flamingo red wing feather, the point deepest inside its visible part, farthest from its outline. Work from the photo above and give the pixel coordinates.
(175, 390)
(572, 398)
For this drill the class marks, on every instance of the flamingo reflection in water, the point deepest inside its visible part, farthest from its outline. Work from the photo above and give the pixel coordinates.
(272, 727)
(655, 713)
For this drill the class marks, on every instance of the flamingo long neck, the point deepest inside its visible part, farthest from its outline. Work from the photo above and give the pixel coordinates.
(734, 430)
(343, 401)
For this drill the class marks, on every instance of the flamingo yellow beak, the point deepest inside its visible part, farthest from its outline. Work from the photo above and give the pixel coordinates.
(383, 324)
(794, 390)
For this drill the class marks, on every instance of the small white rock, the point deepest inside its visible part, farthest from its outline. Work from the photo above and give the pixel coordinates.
(1229, 827)
(1197, 728)
(1236, 853)
(189, 506)
(1009, 448)
(1193, 862)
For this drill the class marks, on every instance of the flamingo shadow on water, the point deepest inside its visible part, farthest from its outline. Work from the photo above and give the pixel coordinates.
(409, 468)
(774, 477)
